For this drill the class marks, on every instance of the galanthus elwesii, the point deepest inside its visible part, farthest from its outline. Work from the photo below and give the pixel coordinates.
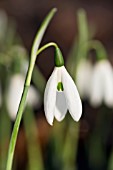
(83, 77)
(14, 93)
(102, 84)
(61, 93)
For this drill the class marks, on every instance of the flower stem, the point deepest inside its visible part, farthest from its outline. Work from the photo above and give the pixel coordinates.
(99, 48)
(79, 50)
(4, 135)
(35, 160)
(35, 47)
(58, 58)
(71, 146)
(82, 27)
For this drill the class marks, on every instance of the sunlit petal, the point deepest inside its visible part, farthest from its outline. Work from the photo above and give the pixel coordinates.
(72, 96)
(50, 97)
(61, 106)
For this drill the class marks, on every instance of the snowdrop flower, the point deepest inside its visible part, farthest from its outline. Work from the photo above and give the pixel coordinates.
(83, 77)
(61, 94)
(14, 93)
(102, 84)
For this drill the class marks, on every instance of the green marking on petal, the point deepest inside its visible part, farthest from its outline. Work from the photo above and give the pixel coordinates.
(60, 86)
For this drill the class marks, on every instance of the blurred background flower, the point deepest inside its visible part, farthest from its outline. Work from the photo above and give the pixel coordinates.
(102, 84)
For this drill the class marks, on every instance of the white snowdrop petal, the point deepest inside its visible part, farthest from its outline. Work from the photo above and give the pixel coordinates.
(83, 78)
(96, 95)
(61, 106)
(72, 96)
(108, 84)
(50, 97)
(102, 84)
(14, 93)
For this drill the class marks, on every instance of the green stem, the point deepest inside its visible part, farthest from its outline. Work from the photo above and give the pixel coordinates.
(82, 26)
(99, 48)
(70, 147)
(59, 138)
(4, 119)
(46, 46)
(83, 37)
(34, 151)
(35, 47)
(59, 61)
(4, 136)
(78, 50)
(36, 44)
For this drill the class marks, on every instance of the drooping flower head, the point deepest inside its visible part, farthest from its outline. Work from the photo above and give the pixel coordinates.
(61, 93)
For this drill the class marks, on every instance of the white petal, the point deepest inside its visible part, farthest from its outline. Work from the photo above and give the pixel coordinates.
(61, 106)
(83, 78)
(102, 84)
(108, 84)
(14, 94)
(72, 96)
(96, 85)
(50, 97)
